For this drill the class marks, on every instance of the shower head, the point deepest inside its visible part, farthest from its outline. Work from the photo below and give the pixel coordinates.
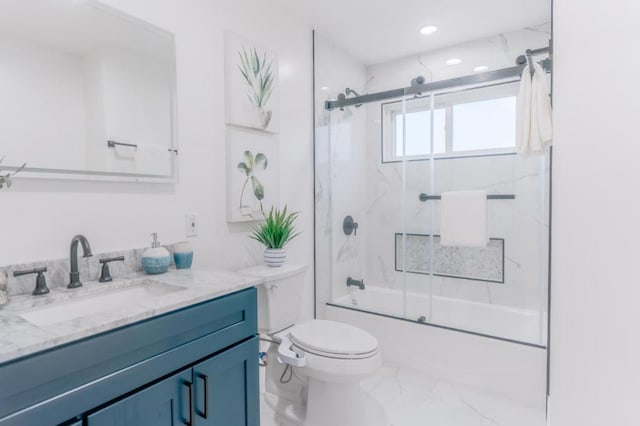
(349, 91)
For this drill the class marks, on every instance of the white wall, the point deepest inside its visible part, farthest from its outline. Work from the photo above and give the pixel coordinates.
(38, 218)
(595, 319)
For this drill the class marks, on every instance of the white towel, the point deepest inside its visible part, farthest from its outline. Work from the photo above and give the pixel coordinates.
(463, 219)
(534, 121)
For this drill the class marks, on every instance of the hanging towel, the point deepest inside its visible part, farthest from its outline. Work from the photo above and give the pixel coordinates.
(463, 219)
(534, 122)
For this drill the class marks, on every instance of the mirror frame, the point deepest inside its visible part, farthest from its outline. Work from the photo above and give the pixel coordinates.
(93, 175)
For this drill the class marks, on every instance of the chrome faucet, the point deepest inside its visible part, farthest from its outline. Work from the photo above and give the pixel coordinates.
(74, 275)
(355, 283)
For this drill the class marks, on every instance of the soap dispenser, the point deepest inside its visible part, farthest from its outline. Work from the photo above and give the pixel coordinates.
(156, 260)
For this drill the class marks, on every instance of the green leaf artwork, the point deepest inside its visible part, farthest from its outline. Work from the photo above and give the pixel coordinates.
(257, 73)
(249, 166)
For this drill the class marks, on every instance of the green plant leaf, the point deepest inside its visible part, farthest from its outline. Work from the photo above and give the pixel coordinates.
(258, 188)
(256, 62)
(248, 156)
(242, 166)
(277, 230)
(260, 162)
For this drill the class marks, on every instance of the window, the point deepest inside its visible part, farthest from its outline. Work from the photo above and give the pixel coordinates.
(479, 121)
(418, 133)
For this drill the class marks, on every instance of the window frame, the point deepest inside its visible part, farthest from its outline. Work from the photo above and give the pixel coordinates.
(389, 111)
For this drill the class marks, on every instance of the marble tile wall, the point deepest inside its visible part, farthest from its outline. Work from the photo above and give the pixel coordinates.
(485, 264)
(389, 206)
(522, 223)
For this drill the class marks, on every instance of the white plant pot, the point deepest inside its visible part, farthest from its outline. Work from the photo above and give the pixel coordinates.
(274, 257)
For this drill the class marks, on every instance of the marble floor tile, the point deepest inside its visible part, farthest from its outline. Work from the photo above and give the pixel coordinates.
(412, 398)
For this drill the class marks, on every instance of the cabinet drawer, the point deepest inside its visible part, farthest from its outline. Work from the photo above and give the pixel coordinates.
(95, 370)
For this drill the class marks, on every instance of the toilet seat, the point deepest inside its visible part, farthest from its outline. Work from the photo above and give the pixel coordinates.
(333, 340)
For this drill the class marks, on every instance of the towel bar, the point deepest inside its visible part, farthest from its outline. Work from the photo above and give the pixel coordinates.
(424, 197)
(112, 144)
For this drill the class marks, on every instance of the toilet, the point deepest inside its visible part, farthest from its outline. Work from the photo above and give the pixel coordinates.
(314, 369)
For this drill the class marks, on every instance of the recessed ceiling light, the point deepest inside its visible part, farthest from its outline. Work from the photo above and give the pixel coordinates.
(428, 30)
(324, 88)
(453, 61)
(481, 68)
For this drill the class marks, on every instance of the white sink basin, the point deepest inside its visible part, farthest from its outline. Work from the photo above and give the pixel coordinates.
(95, 303)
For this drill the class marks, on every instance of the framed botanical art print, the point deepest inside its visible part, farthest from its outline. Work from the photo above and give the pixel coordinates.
(251, 77)
(253, 181)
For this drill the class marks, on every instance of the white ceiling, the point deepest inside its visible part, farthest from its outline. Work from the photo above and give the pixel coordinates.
(375, 31)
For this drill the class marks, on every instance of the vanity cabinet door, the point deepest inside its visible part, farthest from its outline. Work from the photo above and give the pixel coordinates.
(167, 403)
(227, 389)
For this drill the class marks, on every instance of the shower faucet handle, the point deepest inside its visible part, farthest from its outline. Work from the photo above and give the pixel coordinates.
(355, 283)
(349, 226)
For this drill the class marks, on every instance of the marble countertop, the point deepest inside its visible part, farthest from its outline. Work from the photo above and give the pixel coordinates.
(19, 337)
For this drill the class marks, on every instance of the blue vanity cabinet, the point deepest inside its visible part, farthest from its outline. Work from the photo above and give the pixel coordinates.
(227, 389)
(194, 366)
(221, 391)
(167, 403)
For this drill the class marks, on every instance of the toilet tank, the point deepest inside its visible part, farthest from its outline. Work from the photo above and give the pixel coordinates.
(279, 297)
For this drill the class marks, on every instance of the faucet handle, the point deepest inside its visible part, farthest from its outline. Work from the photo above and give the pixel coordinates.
(349, 226)
(355, 283)
(105, 275)
(41, 281)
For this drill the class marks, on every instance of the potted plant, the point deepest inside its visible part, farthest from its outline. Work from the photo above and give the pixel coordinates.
(275, 232)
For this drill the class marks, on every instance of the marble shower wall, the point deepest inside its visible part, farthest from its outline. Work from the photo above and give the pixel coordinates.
(478, 263)
(351, 179)
(522, 223)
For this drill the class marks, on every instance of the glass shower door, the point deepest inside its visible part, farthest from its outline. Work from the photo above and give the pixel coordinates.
(459, 141)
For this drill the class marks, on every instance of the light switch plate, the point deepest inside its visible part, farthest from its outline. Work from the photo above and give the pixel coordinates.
(193, 225)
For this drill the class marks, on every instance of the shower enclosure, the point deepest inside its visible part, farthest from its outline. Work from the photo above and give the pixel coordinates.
(384, 159)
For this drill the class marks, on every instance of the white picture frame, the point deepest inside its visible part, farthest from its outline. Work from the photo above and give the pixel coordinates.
(253, 180)
(252, 85)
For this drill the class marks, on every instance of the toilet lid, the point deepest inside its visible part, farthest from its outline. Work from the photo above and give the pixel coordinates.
(333, 338)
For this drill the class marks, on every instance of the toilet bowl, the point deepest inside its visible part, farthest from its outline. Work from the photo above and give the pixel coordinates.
(314, 369)
(335, 358)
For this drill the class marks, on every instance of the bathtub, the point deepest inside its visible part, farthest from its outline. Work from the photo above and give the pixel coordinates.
(494, 349)
(494, 321)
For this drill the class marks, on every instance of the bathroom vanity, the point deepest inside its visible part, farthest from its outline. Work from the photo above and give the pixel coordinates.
(180, 349)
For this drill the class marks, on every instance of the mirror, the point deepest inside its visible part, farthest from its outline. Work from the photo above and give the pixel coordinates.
(86, 92)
